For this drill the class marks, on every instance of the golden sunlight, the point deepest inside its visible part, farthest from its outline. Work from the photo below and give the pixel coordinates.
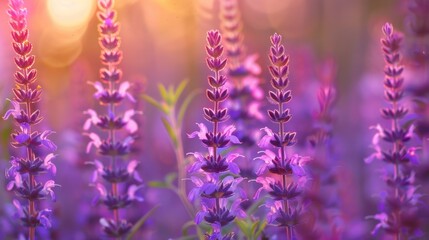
(70, 13)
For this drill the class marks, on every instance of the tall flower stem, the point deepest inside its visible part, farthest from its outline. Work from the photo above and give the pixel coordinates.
(212, 170)
(23, 171)
(30, 157)
(180, 157)
(112, 137)
(282, 154)
(400, 204)
(284, 204)
(180, 153)
(244, 88)
(398, 143)
(120, 181)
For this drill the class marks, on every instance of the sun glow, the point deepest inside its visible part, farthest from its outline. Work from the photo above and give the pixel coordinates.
(70, 13)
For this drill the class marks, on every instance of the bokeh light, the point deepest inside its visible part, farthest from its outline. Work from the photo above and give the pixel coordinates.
(70, 13)
(61, 52)
(69, 19)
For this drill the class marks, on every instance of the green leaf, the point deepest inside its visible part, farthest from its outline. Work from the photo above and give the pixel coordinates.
(169, 179)
(163, 91)
(140, 223)
(162, 107)
(167, 94)
(167, 183)
(170, 131)
(180, 89)
(261, 228)
(191, 237)
(5, 131)
(254, 226)
(244, 227)
(158, 184)
(186, 227)
(185, 106)
(205, 227)
(171, 101)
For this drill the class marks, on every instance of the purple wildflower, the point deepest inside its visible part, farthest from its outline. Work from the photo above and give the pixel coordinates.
(22, 174)
(285, 186)
(323, 207)
(399, 204)
(211, 170)
(116, 181)
(245, 93)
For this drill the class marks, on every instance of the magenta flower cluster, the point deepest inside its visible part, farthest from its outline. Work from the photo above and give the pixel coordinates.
(212, 172)
(399, 213)
(245, 93)
(35, 155)
(115, 176)
(286, 168)
(322, 196)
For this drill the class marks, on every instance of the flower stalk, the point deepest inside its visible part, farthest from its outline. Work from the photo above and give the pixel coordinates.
(323, 190)
(287, 169)
(119, 181)
(245, 93)
(212, 171)
(22, 174)
(399, 214)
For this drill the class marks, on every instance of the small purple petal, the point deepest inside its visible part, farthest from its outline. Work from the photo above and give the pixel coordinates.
(199, 217)
(233, 167)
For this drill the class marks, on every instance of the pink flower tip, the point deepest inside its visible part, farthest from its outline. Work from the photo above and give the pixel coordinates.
(387, 29)
(276, 39)
(213, 38)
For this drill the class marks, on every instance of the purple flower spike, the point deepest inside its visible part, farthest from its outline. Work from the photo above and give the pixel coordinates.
(212, 171)
(387, 29)
(116, 181)
(22, 174)
(286, 188)
(399, 203)
(276, 39)
(321, 169)
(244, 87)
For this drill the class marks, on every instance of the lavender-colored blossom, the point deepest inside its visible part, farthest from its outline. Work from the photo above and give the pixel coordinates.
(323, 191)
(212, 170)
(285, 187)
(398, 215)
(117, 182)
(244, 86)
(24, 169)
(245, 93)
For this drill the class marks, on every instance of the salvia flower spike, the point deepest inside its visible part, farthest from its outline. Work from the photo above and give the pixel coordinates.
(245, 93)
(211, 172)
(231, 27)
(116, 181)
(38, 156)
(323, 207)
(398, 215)
(285, 187)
